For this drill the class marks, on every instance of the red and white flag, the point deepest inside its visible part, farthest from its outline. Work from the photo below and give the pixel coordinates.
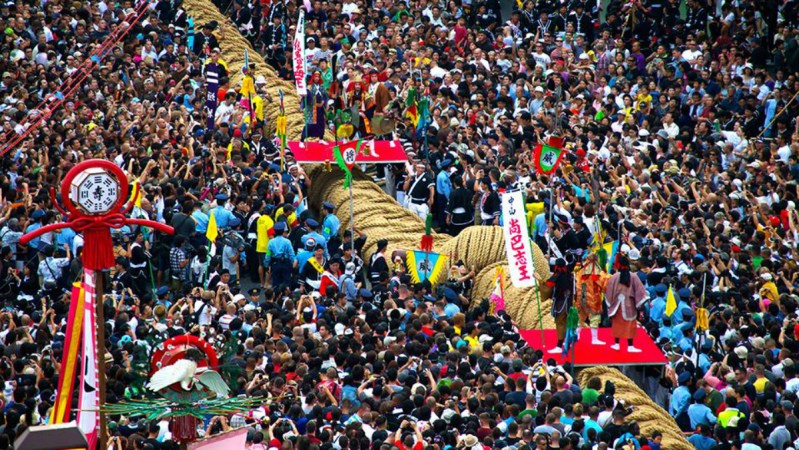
(89, 398)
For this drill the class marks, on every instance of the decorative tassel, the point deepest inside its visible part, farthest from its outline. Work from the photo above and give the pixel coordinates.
(327, 166)
(183, 428)
(98, 253)
(427, 240)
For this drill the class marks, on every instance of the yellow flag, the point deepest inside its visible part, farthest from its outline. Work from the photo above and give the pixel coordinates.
(212, 232)
(702, 319)
(137, 192)
(247, 87)
(671, 302)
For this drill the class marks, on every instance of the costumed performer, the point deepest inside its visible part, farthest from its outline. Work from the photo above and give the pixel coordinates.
(624, 295)
(591, 282)
(314, 106)
(562, 284)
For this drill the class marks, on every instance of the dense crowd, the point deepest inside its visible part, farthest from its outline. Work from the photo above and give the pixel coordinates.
(682, 145)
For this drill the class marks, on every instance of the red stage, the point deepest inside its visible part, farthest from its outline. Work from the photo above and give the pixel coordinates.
(586, 354)
(381, 152)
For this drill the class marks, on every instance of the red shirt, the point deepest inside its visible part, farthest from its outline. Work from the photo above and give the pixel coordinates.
(328, 279)
(416, 446)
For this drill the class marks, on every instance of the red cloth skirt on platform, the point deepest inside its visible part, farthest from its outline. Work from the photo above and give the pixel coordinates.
(623, 329)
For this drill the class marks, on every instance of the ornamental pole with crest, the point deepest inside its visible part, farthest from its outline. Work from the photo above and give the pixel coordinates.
(94, 194)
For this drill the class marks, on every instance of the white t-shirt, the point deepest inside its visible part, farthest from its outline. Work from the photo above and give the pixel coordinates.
(690, 55)
(224, 112)
(542, 59)
(784, 153)
(206, 315)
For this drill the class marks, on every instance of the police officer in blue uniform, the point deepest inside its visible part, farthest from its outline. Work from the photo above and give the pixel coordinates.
(330, 227)
(313, 225)
(224, 218)
(280, 257)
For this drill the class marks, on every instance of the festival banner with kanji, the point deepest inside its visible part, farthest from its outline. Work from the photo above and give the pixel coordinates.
(298, 56)
(547, 156)
(517, 240)
(425, 265)
(371, 152)
(211, 88)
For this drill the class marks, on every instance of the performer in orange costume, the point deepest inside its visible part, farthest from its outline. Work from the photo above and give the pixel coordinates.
(591, 281)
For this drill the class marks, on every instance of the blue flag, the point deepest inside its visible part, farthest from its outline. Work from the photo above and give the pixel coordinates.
(425, 266)
(190, 34)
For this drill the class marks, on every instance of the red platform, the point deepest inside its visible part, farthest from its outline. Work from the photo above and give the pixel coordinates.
(586, 354)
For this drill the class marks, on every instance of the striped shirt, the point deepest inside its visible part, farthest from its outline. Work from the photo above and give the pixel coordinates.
(224, 321)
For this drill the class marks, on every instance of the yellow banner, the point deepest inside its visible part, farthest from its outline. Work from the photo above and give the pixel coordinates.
(69, 360)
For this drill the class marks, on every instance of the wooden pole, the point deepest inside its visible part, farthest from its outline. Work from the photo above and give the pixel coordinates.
(99, 281)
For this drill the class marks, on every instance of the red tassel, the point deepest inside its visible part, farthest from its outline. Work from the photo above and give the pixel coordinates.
(98, 250)
(427, 243)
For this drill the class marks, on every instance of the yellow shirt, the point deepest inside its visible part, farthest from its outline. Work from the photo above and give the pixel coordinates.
(245, 147)
(533, 210)
(474, 343)
(641, 98)
(769, 290)
(262, 227)
(760, 384)
(291, 217)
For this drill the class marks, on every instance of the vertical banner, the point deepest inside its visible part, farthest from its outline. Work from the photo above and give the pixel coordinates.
(298, 55)
(211, 88)
(69, 358)
(190, 34)
(517, 240)
(89, 398)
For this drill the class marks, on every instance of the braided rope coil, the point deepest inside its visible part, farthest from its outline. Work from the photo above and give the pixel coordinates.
(648, 414)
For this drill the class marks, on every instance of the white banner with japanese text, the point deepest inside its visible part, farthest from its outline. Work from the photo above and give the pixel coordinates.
(298, 55)
(517, 240)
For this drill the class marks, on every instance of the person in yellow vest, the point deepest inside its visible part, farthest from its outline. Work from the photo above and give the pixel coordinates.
(264, 229)
(731, 415)
(291, 218)
(238, 145)
(261, 94)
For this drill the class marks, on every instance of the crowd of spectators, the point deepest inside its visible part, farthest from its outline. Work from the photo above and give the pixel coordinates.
(682, 145)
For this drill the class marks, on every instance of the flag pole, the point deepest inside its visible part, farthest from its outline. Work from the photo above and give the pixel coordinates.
(550, 241)
(352, 222)
(701, 306)
(99, 280)
(540, 317)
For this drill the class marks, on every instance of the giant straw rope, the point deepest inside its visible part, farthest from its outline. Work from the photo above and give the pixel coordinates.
(648, 414)
(381, 217)
(483, 248)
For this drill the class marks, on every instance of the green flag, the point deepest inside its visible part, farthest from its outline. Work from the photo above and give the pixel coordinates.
(547, 158)
(346, 160)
